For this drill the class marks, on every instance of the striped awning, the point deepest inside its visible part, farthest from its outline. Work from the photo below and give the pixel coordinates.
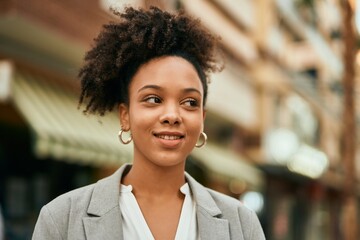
(63, 132)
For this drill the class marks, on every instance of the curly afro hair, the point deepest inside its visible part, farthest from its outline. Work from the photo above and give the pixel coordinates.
(141, 35)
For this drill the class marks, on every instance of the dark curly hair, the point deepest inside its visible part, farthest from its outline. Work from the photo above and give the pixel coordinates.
(141, 35)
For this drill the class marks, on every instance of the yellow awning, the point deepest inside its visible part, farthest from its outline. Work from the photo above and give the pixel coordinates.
(61, 130)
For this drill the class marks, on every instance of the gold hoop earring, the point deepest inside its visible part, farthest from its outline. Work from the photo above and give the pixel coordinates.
(122, 140)
(204, 137)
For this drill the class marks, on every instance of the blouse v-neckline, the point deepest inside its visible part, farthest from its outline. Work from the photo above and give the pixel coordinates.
(134, 223)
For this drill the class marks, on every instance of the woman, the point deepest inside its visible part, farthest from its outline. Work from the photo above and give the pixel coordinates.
(153, 67)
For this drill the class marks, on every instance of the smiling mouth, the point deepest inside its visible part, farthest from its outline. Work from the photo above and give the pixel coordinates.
(168, 137)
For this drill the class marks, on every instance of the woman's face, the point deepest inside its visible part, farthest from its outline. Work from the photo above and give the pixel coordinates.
(165, 113)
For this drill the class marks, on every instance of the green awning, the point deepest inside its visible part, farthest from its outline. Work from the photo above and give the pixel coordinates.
(63, 132)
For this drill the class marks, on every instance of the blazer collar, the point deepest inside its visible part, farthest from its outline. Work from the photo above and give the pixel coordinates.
(104, 221)
(203, 197)
(106, 194)
(209, 216)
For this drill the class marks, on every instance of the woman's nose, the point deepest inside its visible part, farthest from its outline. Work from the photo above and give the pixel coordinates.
(170, 115)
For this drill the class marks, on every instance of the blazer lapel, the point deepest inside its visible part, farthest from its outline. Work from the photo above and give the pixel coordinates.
(106, 227)
(104, 215)
(212, 227)
(210, 223)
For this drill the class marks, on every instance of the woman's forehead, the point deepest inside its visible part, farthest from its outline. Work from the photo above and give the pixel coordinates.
(168, 70)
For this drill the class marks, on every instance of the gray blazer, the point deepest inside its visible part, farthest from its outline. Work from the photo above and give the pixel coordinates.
(93, 212)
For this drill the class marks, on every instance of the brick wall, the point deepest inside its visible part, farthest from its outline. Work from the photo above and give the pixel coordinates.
(77, 19)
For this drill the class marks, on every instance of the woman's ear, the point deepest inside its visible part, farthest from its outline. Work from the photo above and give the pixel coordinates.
(124, 116)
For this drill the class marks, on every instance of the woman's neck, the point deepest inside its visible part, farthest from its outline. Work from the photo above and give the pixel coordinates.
(155, 181)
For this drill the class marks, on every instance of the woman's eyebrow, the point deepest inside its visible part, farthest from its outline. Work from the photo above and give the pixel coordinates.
(186, 90)
(150, 86)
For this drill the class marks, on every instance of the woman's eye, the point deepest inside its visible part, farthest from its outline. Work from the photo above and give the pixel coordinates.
(153, 99)
(191, 102)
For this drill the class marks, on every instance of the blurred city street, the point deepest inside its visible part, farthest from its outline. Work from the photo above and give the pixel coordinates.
(282, 117)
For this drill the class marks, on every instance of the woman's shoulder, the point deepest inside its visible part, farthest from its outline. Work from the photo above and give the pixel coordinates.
(225, 199)
(63, 216)
(233, 208)
(55, 217)
(230, 204)
(221, 200)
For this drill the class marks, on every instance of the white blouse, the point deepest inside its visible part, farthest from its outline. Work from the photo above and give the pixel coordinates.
(135, 226)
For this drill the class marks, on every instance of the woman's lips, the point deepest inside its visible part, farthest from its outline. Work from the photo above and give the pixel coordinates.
(168, 137)
(170, 140)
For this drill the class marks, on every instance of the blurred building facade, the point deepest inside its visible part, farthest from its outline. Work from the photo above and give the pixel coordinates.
(274, 114)
(290, 53)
